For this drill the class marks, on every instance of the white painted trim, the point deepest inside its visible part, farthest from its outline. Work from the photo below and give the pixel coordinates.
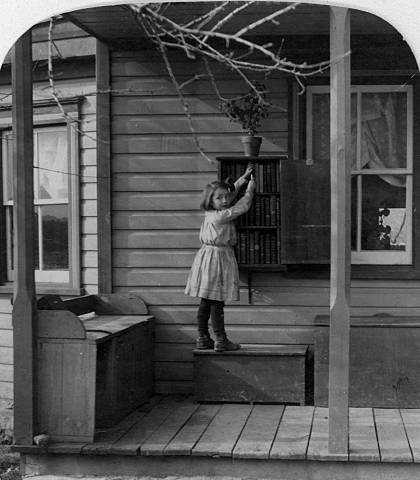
(383, 257)
(309, 110)
(51, 123)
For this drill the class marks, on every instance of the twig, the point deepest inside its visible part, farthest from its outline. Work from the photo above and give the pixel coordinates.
(265, 19)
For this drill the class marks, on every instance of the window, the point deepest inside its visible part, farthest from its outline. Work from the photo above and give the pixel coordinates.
(56, 239)
(382, 167)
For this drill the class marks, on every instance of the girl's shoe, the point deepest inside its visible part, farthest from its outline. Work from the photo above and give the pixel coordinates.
(225, 344)
(204, 343)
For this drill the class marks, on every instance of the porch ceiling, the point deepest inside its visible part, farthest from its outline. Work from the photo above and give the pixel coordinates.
(116, 24)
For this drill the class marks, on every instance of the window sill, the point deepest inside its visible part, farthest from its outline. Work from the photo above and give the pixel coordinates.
(47, 290)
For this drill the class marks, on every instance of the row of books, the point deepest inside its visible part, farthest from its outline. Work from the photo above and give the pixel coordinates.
(258, 247)
(266, 174)
(265, 211)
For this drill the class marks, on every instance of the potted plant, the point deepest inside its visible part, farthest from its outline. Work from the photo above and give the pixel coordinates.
(248, 110)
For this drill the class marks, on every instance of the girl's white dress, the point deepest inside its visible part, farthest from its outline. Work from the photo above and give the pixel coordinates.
(214, 273)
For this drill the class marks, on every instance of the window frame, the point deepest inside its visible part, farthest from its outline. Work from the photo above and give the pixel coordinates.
(382, 257)
(48, 120)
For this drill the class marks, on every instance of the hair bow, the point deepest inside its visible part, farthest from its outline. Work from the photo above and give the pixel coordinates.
(230, 184)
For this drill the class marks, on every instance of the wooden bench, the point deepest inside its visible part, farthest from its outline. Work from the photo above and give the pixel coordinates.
(95, 363)
(262, 374)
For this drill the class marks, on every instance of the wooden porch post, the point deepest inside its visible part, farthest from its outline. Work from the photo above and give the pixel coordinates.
(338, 397)
(103, 155)
(23, 210)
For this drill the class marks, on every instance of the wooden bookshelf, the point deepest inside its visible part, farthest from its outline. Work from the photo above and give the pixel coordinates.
(259, 230)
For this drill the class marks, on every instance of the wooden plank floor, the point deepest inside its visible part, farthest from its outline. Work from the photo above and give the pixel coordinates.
(177, 426)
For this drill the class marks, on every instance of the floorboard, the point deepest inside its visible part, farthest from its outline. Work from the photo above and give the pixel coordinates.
(292, 437)
(411, 420)
(363, 443)
(318, 443)
(130, 443)
(185, 440)
(104, 439)
(259, 432)
(156, 443)
(223, 432)
(393, 442)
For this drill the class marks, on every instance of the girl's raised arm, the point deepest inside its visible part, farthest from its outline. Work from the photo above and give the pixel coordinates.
(242, 179)
(240, 207)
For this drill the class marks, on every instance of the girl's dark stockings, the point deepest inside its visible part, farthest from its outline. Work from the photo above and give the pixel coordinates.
(213, 309)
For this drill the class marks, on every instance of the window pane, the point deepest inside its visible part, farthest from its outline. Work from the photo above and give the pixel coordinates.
(384, 130)
(383, 213)
(55, 237)
(321, 127)
(8, 175)
(51, 158)
(36, 238)
(10, 234)
(353, 232)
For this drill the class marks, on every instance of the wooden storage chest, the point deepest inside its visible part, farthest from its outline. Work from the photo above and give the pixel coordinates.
(92, 370)
(384, 362)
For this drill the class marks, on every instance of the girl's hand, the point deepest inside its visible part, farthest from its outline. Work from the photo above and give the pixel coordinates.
(252, 184)
(249, 171)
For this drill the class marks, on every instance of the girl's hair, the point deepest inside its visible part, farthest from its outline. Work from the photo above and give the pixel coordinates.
(208, 192)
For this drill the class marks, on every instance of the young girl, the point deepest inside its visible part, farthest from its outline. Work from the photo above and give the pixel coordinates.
(214, 274)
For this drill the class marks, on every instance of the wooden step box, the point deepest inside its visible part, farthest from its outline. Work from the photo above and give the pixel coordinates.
(263, 374)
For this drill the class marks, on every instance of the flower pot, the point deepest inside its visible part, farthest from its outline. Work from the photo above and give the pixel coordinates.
(251, 145)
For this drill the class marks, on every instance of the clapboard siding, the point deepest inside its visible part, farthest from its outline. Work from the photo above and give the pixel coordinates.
(6, 338)
(6, 356)
(158, 175)
(245, 334)
(6, 350)
(263, 315)
(5, 321)
(89, 243)
(161, 86)
(90, 259)
(157, 220)
(88, 208)
(155, 201)
(152, 258)
(6, 390)
(140, 105)
(217, 144)
(167, 239)
(178, 124)
(89, 225)
(170, 295)
(156, 182)
(6, 372)
(5, 304)
(149, 277)
(88, 158)
(162, 163)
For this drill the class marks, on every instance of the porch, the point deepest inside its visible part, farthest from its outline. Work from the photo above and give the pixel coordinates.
(173, 435)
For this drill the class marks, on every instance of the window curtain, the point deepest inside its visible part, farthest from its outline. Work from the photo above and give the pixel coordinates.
(383, 131)
(383, 134)
(53, 165)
